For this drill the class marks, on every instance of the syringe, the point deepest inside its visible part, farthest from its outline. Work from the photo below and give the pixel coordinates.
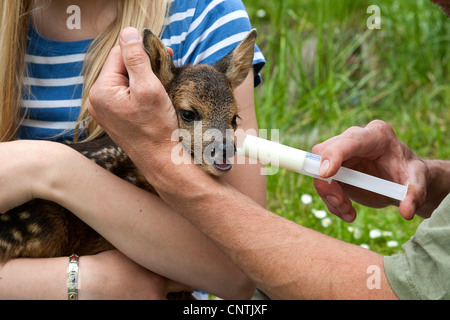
(308, 164)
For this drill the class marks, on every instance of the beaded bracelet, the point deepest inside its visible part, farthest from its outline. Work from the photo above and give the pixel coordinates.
(72, 281)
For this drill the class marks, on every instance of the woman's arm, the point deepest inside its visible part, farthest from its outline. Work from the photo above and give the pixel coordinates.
(244, 176)
(108, 275)
(137, 223)
(34, 279)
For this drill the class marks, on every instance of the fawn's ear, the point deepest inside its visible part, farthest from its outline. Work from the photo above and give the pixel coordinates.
(160, 59)
(238, 62)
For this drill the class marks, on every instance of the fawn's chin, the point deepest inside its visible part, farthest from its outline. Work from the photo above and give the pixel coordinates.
(223, 167)
(217, 169)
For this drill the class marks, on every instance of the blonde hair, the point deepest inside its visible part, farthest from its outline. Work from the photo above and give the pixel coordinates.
(14, 20)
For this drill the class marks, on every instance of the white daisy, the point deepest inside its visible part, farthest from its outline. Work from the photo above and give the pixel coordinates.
(375, 233)
(392, 244)
(326, 222)
(306, 198)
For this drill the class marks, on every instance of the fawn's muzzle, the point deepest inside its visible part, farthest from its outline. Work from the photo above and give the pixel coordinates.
(221, 153)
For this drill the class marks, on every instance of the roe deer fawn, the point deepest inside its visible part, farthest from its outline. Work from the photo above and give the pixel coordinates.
(201, 92)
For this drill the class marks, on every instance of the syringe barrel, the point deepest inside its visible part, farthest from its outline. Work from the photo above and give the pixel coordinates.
(276, 154)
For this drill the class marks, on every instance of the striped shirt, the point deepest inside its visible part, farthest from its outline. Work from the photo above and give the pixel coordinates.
(201, 31)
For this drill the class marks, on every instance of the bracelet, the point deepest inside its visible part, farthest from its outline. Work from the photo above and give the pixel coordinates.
(72, 281)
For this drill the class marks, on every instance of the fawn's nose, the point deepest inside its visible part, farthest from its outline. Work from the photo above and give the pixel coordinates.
(226, 149)
(221, 152)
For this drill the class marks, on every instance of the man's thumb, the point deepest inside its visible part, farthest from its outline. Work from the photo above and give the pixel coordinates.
(130, 35)
(134, 56)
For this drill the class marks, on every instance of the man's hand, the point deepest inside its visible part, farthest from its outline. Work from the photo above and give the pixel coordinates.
(129, 101)
(377, 151)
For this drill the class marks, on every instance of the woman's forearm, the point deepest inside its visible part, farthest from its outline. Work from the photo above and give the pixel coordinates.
(107, 275)
(34, 279)
(245, 177)
(141, 225)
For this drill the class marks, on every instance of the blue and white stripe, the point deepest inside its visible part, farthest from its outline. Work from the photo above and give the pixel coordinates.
(205, 31)
(54, 77)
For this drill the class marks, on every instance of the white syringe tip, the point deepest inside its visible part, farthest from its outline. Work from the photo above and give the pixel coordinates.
(272, 152)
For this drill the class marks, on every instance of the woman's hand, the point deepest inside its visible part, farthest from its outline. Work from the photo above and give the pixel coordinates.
(111, 275)
(375, 150)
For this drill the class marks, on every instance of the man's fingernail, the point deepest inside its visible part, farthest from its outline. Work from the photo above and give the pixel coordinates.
(323, 171)
(347, 216)
(332, 200)
(130, 35)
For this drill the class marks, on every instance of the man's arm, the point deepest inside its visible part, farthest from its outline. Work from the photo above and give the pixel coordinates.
(284, 259)
(438, 186)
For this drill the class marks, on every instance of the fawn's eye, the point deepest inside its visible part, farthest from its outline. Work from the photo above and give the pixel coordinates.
(234, 120)
(189, 116)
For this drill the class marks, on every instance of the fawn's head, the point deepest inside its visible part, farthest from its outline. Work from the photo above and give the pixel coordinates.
(203, 99)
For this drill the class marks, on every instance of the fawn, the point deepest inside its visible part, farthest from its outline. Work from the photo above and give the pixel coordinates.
(201, 92)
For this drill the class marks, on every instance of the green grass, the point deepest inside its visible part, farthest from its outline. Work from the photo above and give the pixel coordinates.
(326, 71)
